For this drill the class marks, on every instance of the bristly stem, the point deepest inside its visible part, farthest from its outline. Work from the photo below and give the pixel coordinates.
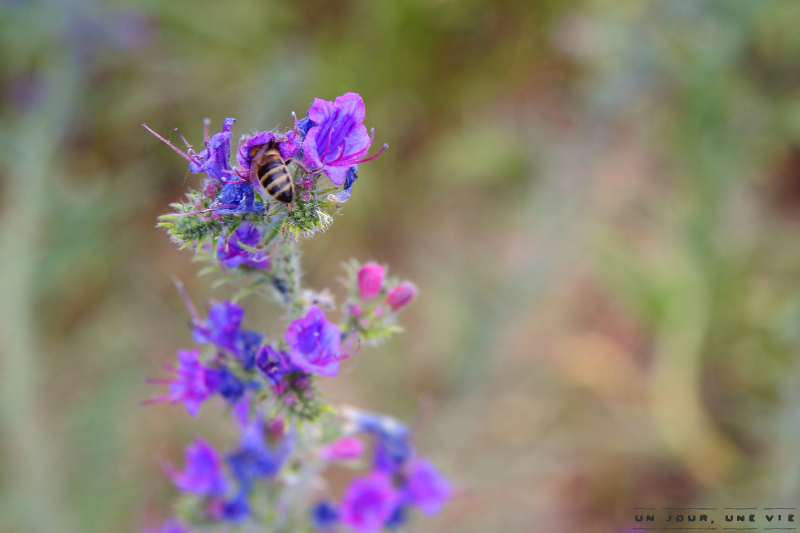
(286, 277)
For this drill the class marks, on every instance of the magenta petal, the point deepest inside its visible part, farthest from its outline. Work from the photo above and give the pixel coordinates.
(336, 174)
(321, 110)
(310, 156)
(351, 104)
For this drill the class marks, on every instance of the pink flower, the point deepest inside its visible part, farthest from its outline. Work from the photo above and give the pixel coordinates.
(401, 295)
(370, 280)
(342, 449)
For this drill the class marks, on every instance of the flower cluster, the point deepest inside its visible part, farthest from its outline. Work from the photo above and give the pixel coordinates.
(374, 301)
(271, 477)
(396, 482)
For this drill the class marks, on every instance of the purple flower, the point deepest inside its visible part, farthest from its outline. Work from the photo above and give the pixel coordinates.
(202, 473)
(401, 295)
(369, 502)
(370, 280)
(315, 343)
(392, 447)
(231, 254)
(274, 364)
(426, 487)
(170, 526)
(189, 386)
(324, 516)
(215, 159)
(338, 140)
(221, 327)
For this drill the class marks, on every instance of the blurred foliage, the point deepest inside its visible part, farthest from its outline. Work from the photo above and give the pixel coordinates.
(599, 201)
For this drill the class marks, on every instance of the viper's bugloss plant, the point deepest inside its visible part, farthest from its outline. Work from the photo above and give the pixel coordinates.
(273, 480)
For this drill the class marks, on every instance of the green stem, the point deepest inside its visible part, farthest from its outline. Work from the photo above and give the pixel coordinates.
(288, 275)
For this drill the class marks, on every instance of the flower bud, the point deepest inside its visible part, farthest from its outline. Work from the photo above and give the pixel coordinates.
(370, 280)
(343, 449)
(401, 295)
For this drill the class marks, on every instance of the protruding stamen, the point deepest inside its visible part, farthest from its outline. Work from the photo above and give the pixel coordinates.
(189, 148)
(185, 296)
(206, 132)
(385, 146)
(184, 155)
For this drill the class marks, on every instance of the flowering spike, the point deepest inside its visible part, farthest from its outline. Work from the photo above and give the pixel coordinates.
(268, 382)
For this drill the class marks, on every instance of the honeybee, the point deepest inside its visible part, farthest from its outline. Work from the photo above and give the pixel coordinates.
(271, 170)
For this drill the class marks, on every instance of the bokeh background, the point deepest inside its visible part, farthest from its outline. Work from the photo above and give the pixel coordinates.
(599, 201)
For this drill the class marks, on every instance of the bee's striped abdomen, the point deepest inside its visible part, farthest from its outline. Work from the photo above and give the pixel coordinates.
(275, 177)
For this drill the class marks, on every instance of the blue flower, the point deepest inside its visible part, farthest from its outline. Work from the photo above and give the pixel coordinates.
(324, 516)
(221, 327)
(255, 458)
(202, 473)
(236, 198)
(215, 159)
(225, 382)
(392, 447)
(247, 346)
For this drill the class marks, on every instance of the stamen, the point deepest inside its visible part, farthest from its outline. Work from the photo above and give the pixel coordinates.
(330, 138)
(185, 296)
(344, 150)
(206, 132)
(385, 146)
(188, 146)
(185, 156)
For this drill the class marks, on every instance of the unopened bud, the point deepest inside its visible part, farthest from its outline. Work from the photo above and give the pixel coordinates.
(370, 280)
(401, 295)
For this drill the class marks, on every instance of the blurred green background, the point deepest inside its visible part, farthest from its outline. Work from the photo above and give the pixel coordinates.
(599, 201)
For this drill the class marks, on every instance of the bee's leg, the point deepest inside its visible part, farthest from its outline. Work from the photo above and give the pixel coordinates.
(299, 165)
